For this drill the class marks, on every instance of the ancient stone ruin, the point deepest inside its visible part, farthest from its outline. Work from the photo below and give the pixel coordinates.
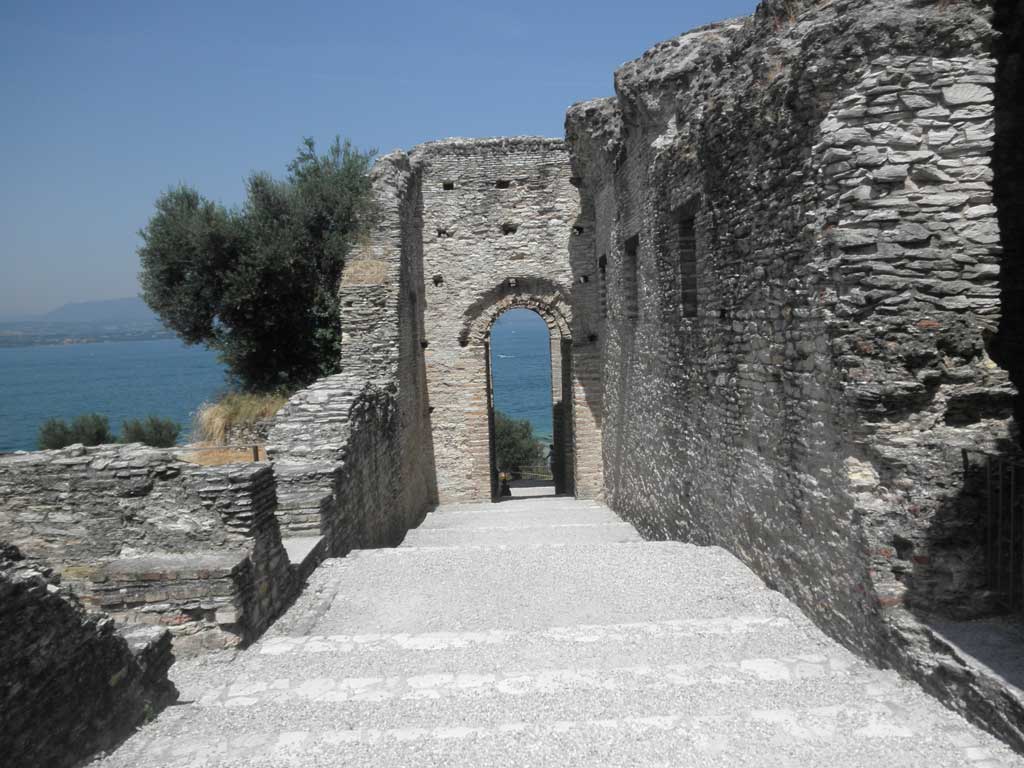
(781, 269)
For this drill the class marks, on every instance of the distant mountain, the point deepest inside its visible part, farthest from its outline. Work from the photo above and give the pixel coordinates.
(131, 311)
(84, 322)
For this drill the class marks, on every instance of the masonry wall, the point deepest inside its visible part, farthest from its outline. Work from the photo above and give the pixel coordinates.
(70, 684)
(352, 453)
(835, 161)
(153, 540)
(499, 227)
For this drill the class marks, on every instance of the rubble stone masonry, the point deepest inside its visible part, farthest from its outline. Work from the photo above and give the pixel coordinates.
(782, 274)
(797, 216)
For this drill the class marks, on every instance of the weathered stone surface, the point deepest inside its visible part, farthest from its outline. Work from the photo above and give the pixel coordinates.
(100, 515)
(577, 645)
(847, 283)
(777, 267)
(69, 683)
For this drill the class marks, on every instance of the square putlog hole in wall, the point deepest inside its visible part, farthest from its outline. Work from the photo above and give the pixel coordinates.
(509, 228)
(503, 184)
(448, 186)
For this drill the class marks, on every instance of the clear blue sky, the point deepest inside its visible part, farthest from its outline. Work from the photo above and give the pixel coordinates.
(106, 104)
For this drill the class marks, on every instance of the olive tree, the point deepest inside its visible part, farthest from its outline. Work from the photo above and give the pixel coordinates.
(259, 283)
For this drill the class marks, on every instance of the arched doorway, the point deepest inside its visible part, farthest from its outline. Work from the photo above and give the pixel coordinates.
(525, 403)
(545, 347)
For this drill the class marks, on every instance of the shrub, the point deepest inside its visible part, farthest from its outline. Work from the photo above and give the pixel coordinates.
(154, 431)
(88, 429)
(515, 446)
(236, 409)
(55, 433)
(91, 429)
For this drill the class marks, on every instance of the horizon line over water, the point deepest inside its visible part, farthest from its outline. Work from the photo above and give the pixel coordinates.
(118, 379)
(164, 377)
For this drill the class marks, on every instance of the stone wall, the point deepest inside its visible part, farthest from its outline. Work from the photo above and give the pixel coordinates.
(352, 453)
(495, 228)
(151, 539)
(795, 217)
(70, 684)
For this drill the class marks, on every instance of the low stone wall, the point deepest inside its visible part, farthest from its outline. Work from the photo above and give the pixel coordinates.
(154, 540)
(350, 488)
(70, 685)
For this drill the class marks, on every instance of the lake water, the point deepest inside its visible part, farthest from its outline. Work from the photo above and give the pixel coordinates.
(133, 379)
(521, 366)
(121, 380)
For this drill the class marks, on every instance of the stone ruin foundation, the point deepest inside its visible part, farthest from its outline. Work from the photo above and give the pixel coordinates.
(780, 268)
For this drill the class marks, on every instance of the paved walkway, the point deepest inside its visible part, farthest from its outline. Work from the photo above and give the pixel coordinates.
(544, 632)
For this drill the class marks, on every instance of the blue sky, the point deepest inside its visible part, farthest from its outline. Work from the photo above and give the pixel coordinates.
(106, 104)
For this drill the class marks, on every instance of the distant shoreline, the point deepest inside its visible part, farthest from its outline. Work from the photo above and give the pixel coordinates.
(10, 341)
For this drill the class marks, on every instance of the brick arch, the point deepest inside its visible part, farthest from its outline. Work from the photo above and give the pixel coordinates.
(545, 299)
(536, 294)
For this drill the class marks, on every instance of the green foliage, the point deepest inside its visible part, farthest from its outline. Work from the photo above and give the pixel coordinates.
(55, 433)
(154, 431)
(94, 429)
(515, 446)
(259, 284)
(88, 429)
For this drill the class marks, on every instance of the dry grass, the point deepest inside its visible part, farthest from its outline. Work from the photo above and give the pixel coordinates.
(214, 420)
(216, 457)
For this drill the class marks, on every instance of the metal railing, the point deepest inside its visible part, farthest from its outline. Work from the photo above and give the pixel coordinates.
(1003, 499)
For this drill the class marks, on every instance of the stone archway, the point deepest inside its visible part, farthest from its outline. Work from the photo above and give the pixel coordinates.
(553, 311)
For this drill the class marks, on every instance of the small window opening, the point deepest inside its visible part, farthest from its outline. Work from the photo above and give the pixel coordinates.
(503, 184)
(442, 233)
(584, 279)
(438, 279)
(448, 186)
(688, 266)
(577, 230)
(508, 228)
(631, 277)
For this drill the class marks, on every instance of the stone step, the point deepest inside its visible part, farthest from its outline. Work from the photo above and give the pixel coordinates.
(524, 519)
(525, 587)
(499, 534)
(688, 641)
(897, 729)
(492, 637)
